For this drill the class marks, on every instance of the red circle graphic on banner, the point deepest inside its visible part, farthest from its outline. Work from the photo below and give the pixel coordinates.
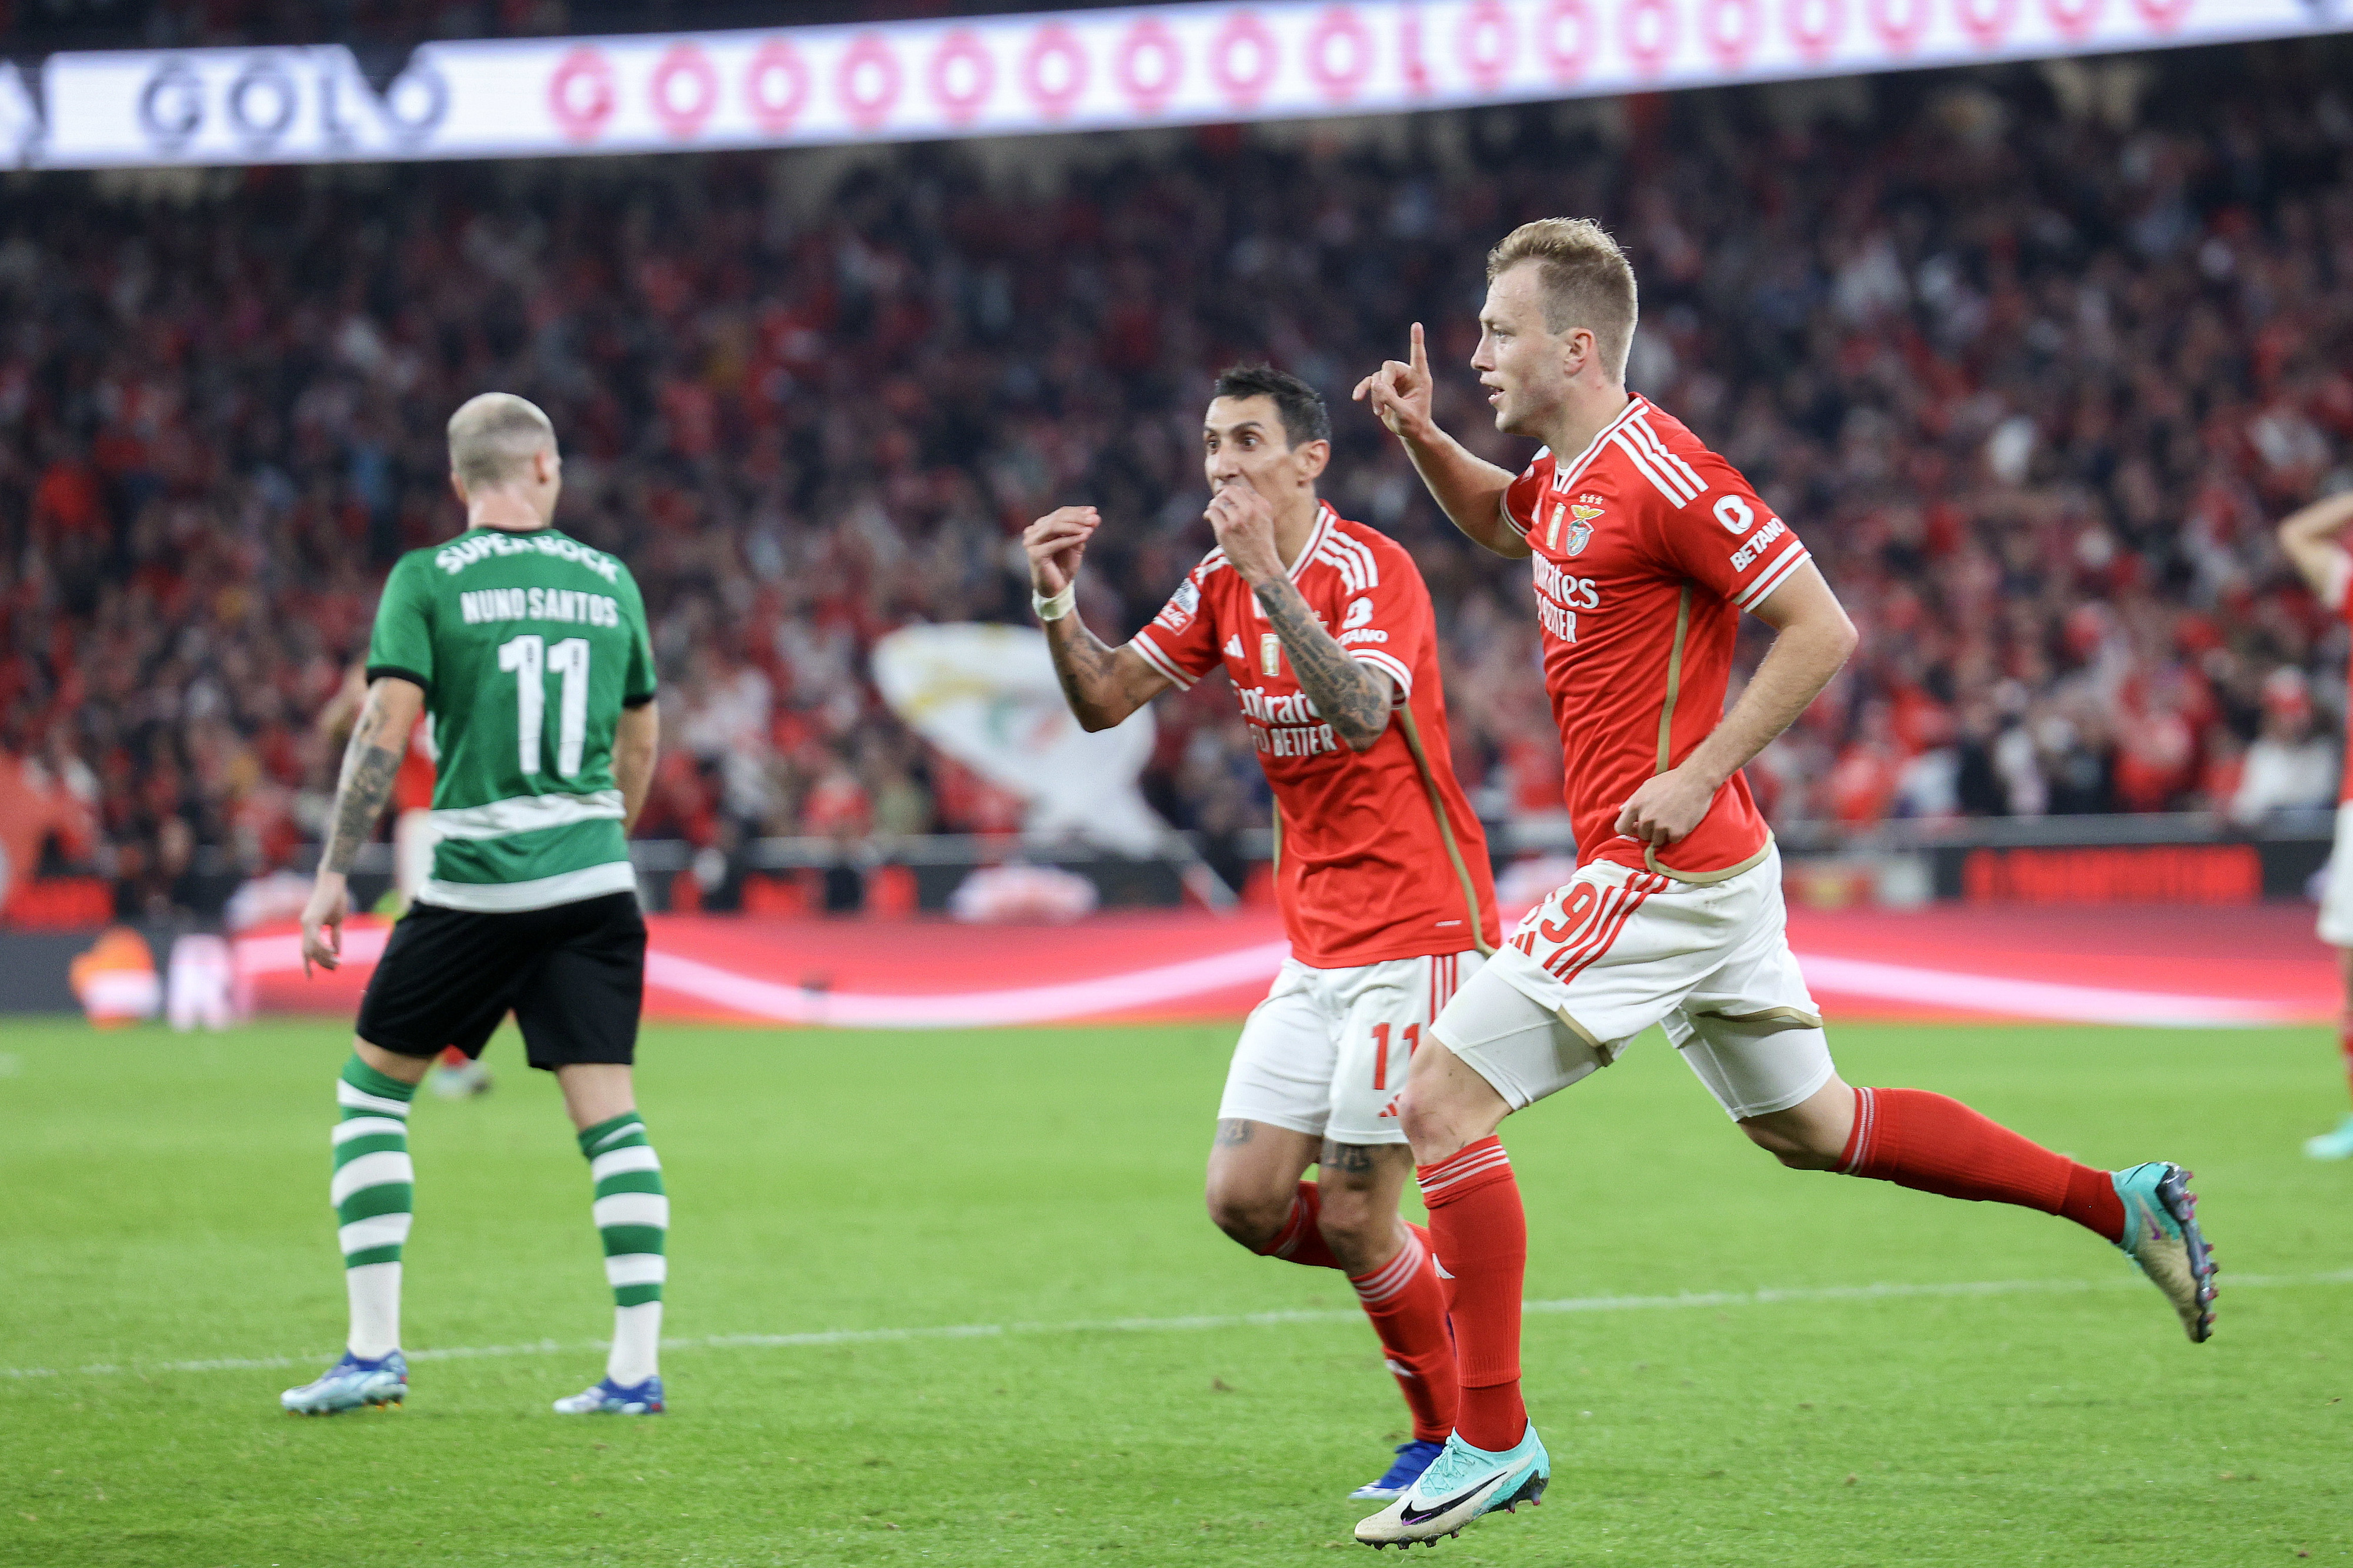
(1731, 50)
(1985, 27)
(1899, 37)
(583, 71)
(1339, 24)
(1485, 43)
(963, 48)
(1649, 56)
(1566, 64)
(1243, 29)
(2164, 15)
(868, 80)
(1815, 42)
(1054, 98)
(1147, 95)
(777, 62)
(683, 64)
(2075, 22)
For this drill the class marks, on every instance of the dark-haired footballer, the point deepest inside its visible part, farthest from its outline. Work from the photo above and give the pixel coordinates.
(1326, 632)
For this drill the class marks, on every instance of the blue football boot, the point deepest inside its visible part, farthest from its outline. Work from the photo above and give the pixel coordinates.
(609, 1398)
(351, 1384)
(1412, 1458)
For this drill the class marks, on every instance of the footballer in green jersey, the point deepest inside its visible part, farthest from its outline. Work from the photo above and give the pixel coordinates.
(529, 650)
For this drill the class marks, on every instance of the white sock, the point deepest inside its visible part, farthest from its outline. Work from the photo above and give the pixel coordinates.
(636, 1345)
(374, 1291)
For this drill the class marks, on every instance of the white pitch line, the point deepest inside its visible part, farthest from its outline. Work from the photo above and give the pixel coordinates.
(1769, 1297)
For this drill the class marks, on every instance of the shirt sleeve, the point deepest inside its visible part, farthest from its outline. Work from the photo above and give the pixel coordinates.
(638, 681)
(1524, 495)
(1720, 533)
(1385, 620)
(402, 643)
(1181, 642)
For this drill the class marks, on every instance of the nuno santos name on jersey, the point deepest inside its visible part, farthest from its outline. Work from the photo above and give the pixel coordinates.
(528, 647)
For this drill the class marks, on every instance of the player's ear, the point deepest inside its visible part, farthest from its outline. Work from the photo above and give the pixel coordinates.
(1579, 349)
(1313, 458)
(456, 487)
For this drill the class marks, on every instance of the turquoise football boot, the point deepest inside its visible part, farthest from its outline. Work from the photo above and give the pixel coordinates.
(2161, 1236)
(1461, 1484)
(2337, 1145)
(351, 1384)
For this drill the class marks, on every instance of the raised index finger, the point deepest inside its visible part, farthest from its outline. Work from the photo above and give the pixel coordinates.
(1420, 354)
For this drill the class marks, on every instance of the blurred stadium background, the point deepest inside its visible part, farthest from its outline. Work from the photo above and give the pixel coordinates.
(2035, 352)
(2031, 314)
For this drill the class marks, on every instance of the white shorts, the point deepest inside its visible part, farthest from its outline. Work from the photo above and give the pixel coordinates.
(2337, 900)
(1615, 951)
(1325, 1053)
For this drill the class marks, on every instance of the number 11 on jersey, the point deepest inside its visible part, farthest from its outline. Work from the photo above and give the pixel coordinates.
(1381, 1050)
(532, 661)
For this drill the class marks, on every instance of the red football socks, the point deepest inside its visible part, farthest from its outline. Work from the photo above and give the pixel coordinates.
(1300, 1240)
(1934, 1144)
(1408, 1307)
(1480, 1235)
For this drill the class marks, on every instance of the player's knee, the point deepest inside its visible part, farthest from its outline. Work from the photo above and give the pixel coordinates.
(1434, 1123)
(1252, 1218)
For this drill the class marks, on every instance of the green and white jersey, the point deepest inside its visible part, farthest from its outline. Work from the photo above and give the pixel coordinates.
(528, 647)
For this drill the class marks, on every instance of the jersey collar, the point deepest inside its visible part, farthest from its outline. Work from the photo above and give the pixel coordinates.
(1566, 475)
(1325, 518)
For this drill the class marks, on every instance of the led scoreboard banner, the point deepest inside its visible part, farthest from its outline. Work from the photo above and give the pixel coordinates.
(1162, 65)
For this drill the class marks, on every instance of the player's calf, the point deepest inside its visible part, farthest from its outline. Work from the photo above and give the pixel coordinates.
(1254, 1194)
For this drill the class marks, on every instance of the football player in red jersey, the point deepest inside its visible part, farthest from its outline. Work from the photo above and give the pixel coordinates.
(1645, 548)
(2314, 539)
(1326, 630)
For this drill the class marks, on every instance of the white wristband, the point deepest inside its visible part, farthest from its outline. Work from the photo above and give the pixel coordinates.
(1055, 608)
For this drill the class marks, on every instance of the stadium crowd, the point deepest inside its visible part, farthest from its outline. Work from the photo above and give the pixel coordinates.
(2032, 359)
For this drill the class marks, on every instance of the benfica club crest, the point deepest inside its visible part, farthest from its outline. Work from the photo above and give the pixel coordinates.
(1579, 517)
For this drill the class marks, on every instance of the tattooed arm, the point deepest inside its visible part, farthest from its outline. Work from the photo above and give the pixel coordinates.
(371, 762)
(1352, 696)
(1103, 684)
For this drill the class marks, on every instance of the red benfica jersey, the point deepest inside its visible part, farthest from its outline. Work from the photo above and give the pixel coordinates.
(412, 787)
(1648, 546)
(2345, 776)
(1363, 874)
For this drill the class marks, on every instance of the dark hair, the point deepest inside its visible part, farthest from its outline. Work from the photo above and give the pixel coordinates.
(1300, 406)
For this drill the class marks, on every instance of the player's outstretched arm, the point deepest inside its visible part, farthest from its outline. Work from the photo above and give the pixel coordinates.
(2313, 539)
(1352, 696)
(636, 740)
(1103, 684)
(1814, 639)
(371, 762)
(1467, 488)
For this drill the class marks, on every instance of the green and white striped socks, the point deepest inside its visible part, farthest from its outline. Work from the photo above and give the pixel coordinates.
(633, 1218)
(373, 1190)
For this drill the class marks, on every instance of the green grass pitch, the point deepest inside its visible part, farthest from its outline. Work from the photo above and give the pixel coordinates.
(165, 1203)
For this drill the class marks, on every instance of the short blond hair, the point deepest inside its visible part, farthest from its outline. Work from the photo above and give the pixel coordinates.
(1588, 281)
(492, 438)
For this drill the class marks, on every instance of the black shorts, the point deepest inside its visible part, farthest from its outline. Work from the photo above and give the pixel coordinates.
(574, 976)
